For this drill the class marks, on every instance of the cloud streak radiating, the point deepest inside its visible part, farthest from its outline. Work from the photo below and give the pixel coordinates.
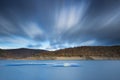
(57, 24)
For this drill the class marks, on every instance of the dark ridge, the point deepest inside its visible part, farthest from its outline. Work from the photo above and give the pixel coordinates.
(85, 51)
(20, 53)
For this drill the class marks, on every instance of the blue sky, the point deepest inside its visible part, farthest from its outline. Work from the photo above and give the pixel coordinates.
(58, 24)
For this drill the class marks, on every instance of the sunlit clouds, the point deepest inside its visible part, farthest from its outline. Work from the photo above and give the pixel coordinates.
(71, 15)
(58, 24)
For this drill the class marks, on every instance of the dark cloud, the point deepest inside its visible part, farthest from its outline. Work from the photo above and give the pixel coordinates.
(56, 24)
(33, 46)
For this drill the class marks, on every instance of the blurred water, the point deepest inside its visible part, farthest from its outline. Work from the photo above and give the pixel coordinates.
(59, 70)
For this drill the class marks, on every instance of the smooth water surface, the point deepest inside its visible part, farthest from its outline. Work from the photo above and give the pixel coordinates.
(59, 70)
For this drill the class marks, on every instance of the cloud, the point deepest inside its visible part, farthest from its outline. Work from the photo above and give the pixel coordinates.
(58, 24)
(70, 16)
(32, 30)
(34, 46)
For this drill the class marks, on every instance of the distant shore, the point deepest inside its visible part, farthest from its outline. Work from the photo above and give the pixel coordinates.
(76, 53)
(64, 58)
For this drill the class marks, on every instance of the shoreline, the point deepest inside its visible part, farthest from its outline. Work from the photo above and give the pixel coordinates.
(64, 58)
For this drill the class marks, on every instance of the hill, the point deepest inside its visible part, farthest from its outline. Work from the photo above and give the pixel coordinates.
(84, 52)
(19, 53)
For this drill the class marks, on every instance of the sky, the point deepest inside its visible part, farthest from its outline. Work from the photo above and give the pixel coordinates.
(58, 24)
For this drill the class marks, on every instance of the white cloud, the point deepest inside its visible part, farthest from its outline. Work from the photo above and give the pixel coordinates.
(45, 45)
(32, 30)
(12, 42)
(70, 16)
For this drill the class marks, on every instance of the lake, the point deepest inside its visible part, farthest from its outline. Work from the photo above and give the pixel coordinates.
(59, 70)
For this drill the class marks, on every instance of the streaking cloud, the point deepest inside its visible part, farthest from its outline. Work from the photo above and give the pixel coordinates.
(58, 24)
(32, 30)
(70, 15)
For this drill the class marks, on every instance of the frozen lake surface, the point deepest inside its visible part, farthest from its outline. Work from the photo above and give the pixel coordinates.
(59, 70)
